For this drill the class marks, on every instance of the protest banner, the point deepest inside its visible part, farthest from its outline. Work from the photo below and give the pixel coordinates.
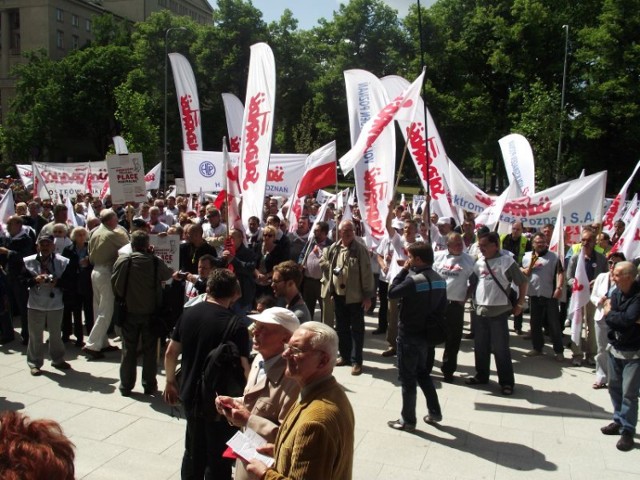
(66, 179)
(188, 103)
(126, 178)
(518, 162)
(257, 128)
(167, 248)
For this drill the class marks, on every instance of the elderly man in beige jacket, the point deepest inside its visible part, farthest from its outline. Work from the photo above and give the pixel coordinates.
(269, 394)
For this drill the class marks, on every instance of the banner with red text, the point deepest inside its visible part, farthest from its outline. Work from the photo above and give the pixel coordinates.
(167, 248)
(26, 174)
(233, 112)
(66, 179)
(374, 170)
(614, 212)
(629, 242)
(188, 102)
(152, 178)
(257, 127)
(414, 135)
(402, 106)
(518, 162)
(582, 200)
(126, 178)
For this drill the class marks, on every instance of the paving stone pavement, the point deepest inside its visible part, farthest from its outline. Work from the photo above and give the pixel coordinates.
(549, 428)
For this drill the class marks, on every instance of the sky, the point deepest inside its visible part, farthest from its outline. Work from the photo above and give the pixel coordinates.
(307, 12)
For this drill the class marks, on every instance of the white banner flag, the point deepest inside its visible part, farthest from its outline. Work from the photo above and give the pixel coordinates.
(557, 238)
(518, 162)
(374, 172)
(7, 207)
(632, 209)
(152, 178)
(26, 174)
(66, 179)
(491, 215)
(126, 178)
(188, 103)
(202, 171)
(403, 107)
(629, 242)
(434, 165)
(582, 200)
(614, 211)
(234, 113)
(120, 145)
(257, 127)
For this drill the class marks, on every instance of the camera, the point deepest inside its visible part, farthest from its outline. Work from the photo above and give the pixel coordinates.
(48, 278)
(338, 270)
(182, 275)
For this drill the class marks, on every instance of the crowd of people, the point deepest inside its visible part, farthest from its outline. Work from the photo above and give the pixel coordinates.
(90, 275)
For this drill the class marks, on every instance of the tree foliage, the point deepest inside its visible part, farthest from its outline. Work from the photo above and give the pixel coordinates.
(493, 68)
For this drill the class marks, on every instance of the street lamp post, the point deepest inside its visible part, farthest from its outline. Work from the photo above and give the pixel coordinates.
(166, 74)
(564, 85)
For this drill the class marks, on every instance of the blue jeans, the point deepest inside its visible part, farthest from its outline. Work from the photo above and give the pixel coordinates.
(350, 329)
(492, 335)
(624, 382)
(415, 361)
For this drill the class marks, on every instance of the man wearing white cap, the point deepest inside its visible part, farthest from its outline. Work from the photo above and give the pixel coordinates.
(269, 394)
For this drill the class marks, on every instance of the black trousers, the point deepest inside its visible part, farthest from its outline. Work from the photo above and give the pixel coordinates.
(203, 447)
(454, 318)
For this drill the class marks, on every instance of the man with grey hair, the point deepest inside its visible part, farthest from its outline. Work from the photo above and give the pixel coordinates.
(137, 278)
(348, 279)
(302, 449)
(622, 311)
(104, 243)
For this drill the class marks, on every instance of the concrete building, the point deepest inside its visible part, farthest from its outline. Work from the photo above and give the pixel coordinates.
(60, 26)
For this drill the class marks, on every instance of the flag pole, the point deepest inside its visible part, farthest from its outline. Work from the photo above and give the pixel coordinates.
(225, 182)
(426, 131)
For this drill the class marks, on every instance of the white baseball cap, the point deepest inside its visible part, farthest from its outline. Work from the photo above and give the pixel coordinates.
(278, 316)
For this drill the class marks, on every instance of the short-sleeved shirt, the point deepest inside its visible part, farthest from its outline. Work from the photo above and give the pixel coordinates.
(199, 330)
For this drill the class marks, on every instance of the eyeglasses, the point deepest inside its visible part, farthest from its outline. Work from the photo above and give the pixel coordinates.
(295, 352)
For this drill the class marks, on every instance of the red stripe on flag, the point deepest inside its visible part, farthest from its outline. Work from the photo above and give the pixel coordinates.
(318, 177)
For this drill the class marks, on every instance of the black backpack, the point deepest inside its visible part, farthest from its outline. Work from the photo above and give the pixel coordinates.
(222, 374)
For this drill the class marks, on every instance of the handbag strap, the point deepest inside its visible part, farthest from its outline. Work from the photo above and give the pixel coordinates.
(497, 282)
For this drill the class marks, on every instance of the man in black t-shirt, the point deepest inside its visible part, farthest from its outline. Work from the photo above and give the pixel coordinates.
(198, 331)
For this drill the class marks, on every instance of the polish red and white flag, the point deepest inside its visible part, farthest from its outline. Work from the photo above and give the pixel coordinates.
(321, 170)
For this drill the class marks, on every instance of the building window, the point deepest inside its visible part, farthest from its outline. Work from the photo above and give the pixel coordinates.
(60, 39)
(87, 25)
(75, 21)
(75, 41)
(59, 15)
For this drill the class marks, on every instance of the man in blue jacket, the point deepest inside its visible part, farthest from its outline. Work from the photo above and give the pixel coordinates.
(622, 314)
(423, 295)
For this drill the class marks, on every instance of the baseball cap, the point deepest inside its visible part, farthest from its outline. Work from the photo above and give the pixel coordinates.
(47, 238)
(444, 221)
(278, 316)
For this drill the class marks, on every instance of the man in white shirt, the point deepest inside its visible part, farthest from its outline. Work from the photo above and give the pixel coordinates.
(455, 267)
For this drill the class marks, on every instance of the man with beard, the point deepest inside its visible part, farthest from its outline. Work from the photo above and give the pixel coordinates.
(285, 281)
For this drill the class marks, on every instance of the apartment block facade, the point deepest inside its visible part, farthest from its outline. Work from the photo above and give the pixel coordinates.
(61, 26)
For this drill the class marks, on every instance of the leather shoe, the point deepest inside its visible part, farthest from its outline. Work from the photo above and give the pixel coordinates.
(468, 336)
(341, 362)
(36, 372)
(626, 441)
(61, 366)
(92, 354)
(356, 369)
(151, 390)
(612, 429)
(401, 425)
(389, 352)
(110, 348)
(125, 393)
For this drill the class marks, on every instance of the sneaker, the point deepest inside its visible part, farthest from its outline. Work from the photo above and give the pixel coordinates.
(612, 429)
(36, 372)
(533, 353)
(432, 418)
(626, 441)
(61, 366)
(356, 369)
(401, 425)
